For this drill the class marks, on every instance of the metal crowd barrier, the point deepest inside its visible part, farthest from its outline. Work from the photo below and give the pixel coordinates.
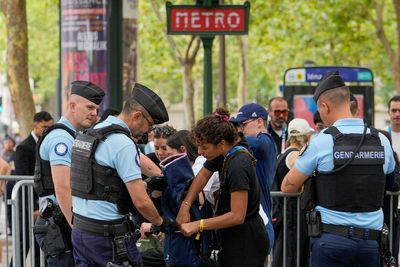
(285, 196)
(22, 196)
(22, 208)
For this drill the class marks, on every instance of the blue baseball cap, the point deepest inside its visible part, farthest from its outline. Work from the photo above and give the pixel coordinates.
(250, 111)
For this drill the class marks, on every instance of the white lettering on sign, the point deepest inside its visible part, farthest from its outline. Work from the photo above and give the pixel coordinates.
(219, 20)
(233, 20)
(195, 21)
(207, 18)
(204, 19)
(179, 15)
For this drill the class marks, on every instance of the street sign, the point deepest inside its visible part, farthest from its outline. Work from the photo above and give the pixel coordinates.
(215, 20)
(207, 19)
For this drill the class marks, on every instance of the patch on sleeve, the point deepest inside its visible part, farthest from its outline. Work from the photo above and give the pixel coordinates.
(303, 149)
(61, 149)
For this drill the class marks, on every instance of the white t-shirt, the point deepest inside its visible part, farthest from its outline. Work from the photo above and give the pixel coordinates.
(212, 184)
(396, 142)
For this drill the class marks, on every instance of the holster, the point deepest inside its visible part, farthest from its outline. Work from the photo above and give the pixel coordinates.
(387, 260)
(120, 254)
(53, 243)
(56, 234)
(314, 223)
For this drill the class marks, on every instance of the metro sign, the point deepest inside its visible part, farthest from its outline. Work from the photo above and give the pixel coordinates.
(198, 20)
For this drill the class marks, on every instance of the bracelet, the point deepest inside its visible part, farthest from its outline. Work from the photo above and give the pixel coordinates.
(201, 228)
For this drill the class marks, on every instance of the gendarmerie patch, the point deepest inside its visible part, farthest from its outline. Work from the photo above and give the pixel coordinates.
(61, 149)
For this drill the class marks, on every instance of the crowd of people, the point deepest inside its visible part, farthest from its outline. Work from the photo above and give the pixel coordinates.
(128, 189)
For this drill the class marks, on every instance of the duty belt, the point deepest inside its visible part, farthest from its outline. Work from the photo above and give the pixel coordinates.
(349, 231)
(102, 228)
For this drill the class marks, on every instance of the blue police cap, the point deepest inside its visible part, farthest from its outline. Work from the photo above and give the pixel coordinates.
(87, 90)
(330, 80)
(151, 102)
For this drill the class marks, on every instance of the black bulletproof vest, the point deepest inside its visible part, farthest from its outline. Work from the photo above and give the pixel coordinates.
(89, 180)
(43, 182)
(359, 187)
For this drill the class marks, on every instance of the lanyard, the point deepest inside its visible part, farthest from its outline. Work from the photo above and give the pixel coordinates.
(233, 150)
(283, 144)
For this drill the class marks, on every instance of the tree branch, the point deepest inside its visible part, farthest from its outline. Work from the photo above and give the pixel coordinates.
(3, 8)
(195, 50)
(396, 4)
(188, 47)
(380, 31)
(171, 41)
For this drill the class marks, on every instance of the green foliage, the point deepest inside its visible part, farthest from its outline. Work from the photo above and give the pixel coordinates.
(43, 46)
(42, 17)
(283, 34)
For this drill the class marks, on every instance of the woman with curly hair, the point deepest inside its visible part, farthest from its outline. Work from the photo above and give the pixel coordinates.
(161, 135)
(244, 240)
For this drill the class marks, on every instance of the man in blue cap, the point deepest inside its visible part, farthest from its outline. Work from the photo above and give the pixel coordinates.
(52, 172)
(251, 120)
(349, 161)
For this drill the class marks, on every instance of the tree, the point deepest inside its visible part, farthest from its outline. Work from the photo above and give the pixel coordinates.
(391, 47)
(186, 61)
(17, 62)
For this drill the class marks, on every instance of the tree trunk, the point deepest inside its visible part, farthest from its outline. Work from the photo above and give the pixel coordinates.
(242, 82)
(188, 93)
(396, 73)
(17, 64)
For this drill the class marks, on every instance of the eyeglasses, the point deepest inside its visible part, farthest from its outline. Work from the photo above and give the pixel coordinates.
(163, 131)
(148, 121)
(284, 112)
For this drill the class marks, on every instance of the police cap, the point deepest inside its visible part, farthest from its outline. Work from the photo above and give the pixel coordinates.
(87, 90)
(151, 102)
(330, 80)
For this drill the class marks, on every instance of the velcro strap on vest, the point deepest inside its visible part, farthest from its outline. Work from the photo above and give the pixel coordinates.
(102, 228)
(349, 231)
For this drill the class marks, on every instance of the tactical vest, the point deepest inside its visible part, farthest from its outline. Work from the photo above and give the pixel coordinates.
(92, 181)
(360, 186)
(43, 181)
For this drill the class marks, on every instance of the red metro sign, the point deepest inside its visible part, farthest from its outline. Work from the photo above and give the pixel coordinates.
(197, 20)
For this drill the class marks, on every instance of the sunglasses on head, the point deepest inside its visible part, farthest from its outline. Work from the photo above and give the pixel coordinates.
(165, 131)
(284, 112)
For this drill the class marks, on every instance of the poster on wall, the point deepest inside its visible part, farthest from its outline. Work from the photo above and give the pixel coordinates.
(84, 34)
(305, 107)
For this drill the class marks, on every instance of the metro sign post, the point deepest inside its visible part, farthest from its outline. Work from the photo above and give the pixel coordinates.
(207, 20)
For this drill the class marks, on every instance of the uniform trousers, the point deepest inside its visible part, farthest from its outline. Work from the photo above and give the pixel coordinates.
(337, 250)
(92, 250)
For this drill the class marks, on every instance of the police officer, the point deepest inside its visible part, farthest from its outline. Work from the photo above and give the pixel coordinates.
(107, 186)
(52, 172)
(350, 161)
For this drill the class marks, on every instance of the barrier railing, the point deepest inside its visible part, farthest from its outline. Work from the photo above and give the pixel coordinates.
(285, 196)
(22, 219)
(22, 208)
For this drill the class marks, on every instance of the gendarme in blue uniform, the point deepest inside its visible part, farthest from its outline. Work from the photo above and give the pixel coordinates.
(319, 156)
(57, 146)
(118, 152)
